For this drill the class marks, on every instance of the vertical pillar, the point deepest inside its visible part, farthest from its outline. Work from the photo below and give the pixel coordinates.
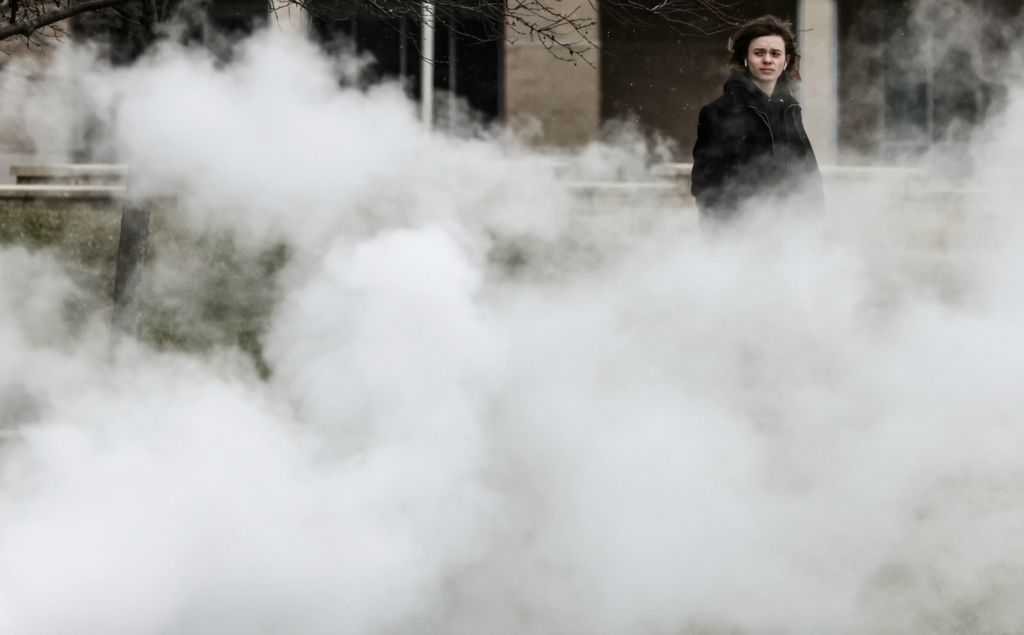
(289, 17)
(131, 254)
(427, 32)
(819, 67)
(541, 86)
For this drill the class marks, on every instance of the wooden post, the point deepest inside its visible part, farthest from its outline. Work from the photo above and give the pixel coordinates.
(131, 252)
(131, 248)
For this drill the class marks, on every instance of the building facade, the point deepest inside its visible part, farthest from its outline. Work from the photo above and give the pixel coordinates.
(881, 78)
(885, 79)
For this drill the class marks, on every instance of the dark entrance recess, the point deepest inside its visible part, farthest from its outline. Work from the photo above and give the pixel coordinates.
(933, 75)
(236, 19)
(657, 75)
(467, 52)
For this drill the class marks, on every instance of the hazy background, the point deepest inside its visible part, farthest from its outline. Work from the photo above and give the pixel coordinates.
(493, 408)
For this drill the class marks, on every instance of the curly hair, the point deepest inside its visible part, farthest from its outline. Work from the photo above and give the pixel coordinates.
(739, 43)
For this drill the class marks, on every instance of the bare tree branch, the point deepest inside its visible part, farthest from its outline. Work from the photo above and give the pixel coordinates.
(567, 29)
(26, 27)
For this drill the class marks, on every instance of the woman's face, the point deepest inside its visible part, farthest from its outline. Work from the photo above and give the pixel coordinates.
(766, 58)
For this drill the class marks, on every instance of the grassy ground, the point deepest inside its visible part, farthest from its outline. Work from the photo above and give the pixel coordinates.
(198, 291)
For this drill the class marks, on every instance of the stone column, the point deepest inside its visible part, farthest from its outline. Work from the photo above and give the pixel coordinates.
(289, 17)
(542, 87)
(819, 67)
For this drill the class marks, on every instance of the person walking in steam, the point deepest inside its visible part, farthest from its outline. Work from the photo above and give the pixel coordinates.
(751, 144)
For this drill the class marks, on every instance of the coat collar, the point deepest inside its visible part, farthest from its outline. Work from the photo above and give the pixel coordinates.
(743, 87)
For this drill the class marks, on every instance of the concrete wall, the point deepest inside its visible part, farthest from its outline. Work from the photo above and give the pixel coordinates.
(552, 89)
(819, 44)
(660, 84)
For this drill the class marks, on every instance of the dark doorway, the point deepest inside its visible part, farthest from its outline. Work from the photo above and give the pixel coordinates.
(467, 56)
(915, 75)
(657, 74)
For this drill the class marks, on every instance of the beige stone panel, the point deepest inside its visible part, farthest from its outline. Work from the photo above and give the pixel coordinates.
(555, 83)
(289, 17)
(562, 97)
(819, 68)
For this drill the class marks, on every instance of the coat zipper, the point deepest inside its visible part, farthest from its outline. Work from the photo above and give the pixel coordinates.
(764, 118)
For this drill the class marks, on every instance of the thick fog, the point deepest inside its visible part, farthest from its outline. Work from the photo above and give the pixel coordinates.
(491, 406)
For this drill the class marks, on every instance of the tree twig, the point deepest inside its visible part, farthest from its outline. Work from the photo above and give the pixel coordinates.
(27, 27)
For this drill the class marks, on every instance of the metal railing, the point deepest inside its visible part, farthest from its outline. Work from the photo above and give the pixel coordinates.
(71, 174)
(95, 183)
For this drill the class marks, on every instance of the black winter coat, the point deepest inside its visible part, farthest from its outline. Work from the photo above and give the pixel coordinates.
(750, 145)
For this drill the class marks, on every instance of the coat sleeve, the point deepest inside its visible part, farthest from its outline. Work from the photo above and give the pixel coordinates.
(814, 185)
(708, 162)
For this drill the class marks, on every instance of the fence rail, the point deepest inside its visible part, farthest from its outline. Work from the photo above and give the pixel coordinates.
(70, 173)
(94, 183)
(27, 192)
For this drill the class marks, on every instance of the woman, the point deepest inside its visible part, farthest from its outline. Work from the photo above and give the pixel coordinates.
(751, 142)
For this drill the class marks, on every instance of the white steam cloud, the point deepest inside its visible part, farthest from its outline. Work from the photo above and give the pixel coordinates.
(622, 427)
